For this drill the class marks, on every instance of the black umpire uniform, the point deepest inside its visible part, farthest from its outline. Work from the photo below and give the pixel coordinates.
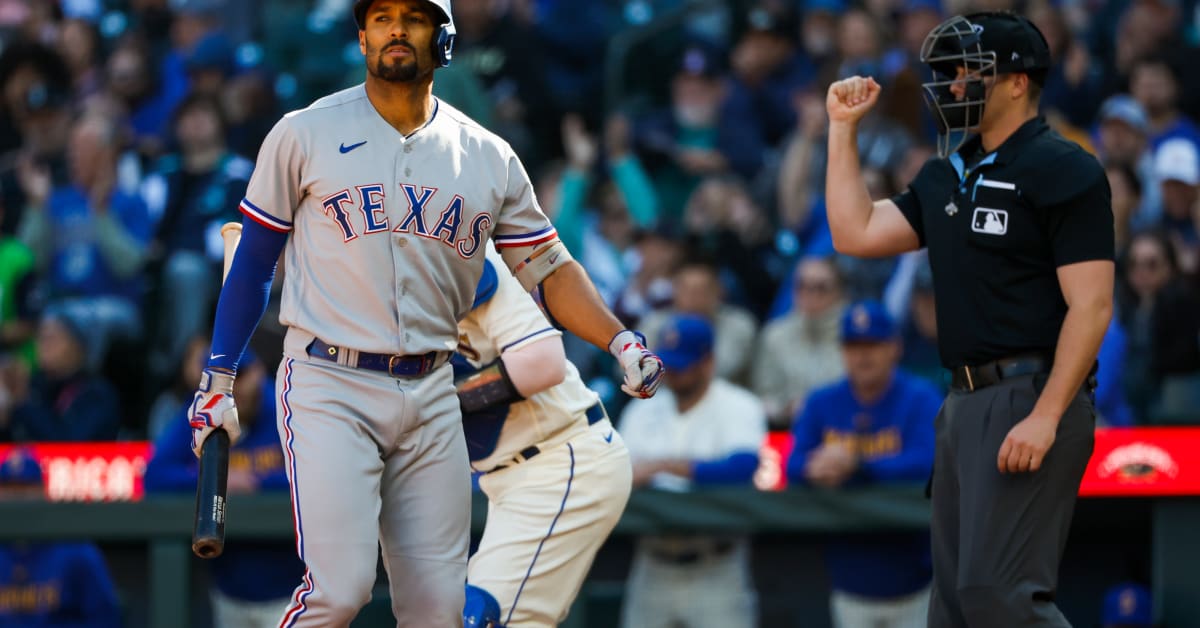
(997, 226)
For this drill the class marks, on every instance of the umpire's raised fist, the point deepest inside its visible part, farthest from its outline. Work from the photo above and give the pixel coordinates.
(850, 99)
(213, 407)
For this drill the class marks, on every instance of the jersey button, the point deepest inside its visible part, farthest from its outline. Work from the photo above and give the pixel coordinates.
(408, 172)
(408, 148)
(403, 242)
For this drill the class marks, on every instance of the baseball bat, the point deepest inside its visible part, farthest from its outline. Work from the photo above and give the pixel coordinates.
(208, 532)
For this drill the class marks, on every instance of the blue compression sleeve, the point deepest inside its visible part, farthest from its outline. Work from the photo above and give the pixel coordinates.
(245, 294)
(736, 468)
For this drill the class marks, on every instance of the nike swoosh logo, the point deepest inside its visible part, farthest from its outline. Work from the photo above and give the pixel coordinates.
(345, 149)
(553, 258)
(608, 437)
(213, 356)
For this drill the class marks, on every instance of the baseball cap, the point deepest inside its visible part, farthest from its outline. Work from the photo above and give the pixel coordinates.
(20, 468)
(213, 52)
(1018, 44)
(684, 340)
(867, 321)
(1127, 604)
(1125, 108)
(1176, 160)
(700, 61)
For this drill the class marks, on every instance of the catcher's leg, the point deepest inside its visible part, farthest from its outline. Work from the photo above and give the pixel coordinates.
(547, 518)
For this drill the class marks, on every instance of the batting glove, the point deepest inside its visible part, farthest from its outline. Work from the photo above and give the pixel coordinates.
(643, 370)
(212, 407)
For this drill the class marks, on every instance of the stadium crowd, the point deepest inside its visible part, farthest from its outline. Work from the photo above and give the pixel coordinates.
(678, 146)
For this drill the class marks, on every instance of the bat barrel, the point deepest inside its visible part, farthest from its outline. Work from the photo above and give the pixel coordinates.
(208, 535)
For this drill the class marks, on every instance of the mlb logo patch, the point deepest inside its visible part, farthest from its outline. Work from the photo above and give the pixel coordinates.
(989, 221)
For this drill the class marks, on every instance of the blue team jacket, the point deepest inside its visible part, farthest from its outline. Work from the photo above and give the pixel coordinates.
(56, 584)
(247, 570)
(894, 439)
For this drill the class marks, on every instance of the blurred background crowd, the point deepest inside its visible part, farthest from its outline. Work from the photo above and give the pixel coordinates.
(678, 146)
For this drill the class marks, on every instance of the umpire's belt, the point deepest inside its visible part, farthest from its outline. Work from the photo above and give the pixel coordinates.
(394, 365)
(594, 415)
(971, 378)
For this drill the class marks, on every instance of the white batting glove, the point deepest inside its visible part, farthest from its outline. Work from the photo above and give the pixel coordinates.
(643, 370)
(213, 407)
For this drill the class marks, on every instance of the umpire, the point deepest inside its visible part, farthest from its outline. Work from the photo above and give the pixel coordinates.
(1019, 226)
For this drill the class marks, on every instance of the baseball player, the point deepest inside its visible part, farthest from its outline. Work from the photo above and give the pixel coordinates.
(556, 473)
(1018, 223)
(382, 199)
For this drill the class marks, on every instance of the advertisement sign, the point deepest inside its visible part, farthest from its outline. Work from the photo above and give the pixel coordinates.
(96, 472)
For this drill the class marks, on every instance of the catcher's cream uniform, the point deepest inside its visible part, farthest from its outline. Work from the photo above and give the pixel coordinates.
(557, 479)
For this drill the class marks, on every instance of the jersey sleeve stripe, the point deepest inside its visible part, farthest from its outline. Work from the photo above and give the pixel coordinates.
(525, 239)
(540, 332)
(263, 218)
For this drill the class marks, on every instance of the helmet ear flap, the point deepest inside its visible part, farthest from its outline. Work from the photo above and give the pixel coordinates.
(444, 43)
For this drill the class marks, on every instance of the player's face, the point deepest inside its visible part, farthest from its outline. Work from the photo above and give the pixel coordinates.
(870, 364)
(397, 40)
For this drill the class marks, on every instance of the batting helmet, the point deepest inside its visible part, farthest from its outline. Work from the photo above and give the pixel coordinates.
(445, 35)
(985, 45)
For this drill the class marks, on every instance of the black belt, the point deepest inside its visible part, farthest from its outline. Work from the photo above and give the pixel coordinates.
(693, 556)
(594, 414)
(394, 365)
(971, 378)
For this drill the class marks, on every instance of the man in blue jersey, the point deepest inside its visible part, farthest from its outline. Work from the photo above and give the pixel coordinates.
(252, 580)
(50, 584)
(873, 426)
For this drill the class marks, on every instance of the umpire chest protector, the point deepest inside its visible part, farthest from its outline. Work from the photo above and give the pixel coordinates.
(997, 227)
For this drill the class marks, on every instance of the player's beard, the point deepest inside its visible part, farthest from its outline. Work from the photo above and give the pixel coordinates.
(397, 71)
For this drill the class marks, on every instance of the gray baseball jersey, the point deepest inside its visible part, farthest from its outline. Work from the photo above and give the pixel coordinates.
(388, 230)
(388, 234)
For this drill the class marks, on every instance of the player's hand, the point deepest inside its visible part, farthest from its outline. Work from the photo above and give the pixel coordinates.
(850, 99)
(213, 407)
(1027, 443)
(643, 370)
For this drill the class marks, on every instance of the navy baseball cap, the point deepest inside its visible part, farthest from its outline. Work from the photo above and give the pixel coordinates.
(867, 321)
(1128, 604)
(684, 340)
(1017, 42)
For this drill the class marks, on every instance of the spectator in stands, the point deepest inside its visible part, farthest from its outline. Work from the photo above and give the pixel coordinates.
(34, 122)
(50, 584)
(62, 400)
(657, 252)
(1122, 140)
(600, 232)
(210, 64)
(1177, 168)
(253, 580)
(80, 42)
(1154, 82)
(1158, 309)
(800, 351)
(1127, 605)
(698, 431)
(1075, 82)
(690, 140)
(768, 69)
(195, 191)
(724, 222)
(697, 289)
(89, 237)
(875, 426)
(503, 54)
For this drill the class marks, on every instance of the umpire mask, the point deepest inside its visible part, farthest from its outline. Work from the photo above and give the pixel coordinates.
(955, 44)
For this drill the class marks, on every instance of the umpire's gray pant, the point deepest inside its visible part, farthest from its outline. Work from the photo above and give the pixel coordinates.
(998, 538)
